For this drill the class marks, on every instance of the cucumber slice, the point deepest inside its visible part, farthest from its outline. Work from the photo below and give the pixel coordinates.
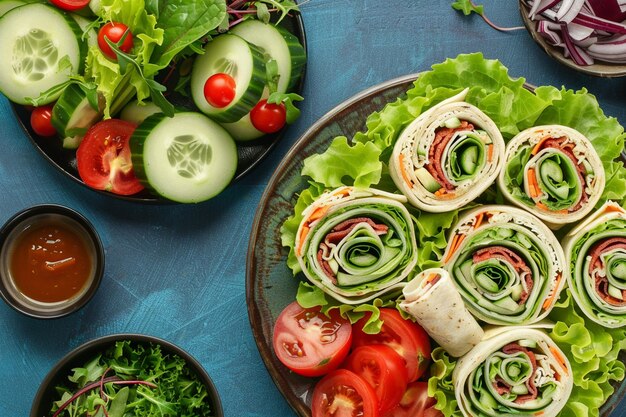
(244, 62)
(187, 158)
(7, 5)
(529, 343)
(280, 45)
(243, 130)
(615, 292)
(89, 34)
(136, 113)
(428, 181)
(72, 114)
(41, 47)
(507, 303)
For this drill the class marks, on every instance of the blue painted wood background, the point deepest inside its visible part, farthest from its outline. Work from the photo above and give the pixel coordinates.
(178, 272)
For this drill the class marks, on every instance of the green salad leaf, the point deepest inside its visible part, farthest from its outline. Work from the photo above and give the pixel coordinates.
(592, 350)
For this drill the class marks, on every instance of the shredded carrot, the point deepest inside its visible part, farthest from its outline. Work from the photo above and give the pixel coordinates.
(479, 220)
(542, 206)
(403, 171)
(431, 277)
(532, 183)
(559, 358)
(444, 194)
(539, 413)
(456, 243)
(613, 208)
(344, 191)
(490, 152)
(440, 192)
(550, 300)
(317, 214)
(538, 145)
(303, 234)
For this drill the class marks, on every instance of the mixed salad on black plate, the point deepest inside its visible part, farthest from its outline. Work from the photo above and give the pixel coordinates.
(101, 75)
(416, 300)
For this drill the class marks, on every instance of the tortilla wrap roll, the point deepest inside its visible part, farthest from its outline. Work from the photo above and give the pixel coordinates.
(447, 156)
(507, 265)
(517, 371)
(554, 172)
(432, 299)
(595, 251)
(357, 244)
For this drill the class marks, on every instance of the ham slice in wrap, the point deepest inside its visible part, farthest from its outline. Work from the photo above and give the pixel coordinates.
(595, 251)
(554, 172)
(357, 244)
(507, 265)
(447, 156)
(514, 371)
(437, 306)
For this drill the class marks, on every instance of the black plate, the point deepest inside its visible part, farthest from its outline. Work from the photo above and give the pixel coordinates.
(249, 153)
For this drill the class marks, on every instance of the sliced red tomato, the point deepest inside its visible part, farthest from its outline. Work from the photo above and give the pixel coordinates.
(268, 117)
(383, 369)
(415, 402)
(41, 121)
(220, 90)
(343, 393)
(70, 5)
(114, 31)
(104, 159)
(310, 343)
(405, 337)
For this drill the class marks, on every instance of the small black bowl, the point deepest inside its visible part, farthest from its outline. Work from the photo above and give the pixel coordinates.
(43, 215)
(46, 394)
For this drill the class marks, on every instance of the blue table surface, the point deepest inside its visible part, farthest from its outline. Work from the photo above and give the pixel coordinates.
(178, 272)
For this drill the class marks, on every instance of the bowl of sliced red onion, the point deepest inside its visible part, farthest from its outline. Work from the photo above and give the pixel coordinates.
(587, 35)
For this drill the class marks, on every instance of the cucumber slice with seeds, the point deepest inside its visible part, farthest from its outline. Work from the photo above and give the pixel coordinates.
(241, 60)
(187, 158)
(41, 47)
(72, 115)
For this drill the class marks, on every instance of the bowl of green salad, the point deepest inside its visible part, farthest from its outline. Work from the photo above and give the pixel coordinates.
(127, 374)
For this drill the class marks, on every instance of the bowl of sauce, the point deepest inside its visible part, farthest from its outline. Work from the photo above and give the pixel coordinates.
(51, 261)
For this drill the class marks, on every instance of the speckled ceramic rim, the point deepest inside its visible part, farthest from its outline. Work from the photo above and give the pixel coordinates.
(599, 69)
(254, 314)
(91, 235)
(43, 398)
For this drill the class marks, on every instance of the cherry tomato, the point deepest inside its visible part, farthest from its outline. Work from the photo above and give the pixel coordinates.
(383, 369)
(40, 121)
(415, 403)
(343, 393)
(268, 117)
(70, 5)
(403, 336)
(220, 90)
(310, 343)
(104, 159)
(114, 31)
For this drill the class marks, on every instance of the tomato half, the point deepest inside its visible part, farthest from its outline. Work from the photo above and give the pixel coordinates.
(40, 121)
(114, 31)
(104, 159)
(268, 117)
(310, 343)
(415, 403)
(383, 369)
(70, 5)
(343, 393)
(405, 337)
(220, 90)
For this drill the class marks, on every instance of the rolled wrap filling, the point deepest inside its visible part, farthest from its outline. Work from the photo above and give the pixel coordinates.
(437, 306)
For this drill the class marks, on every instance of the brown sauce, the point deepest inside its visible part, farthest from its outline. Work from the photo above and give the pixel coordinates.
(50, 262)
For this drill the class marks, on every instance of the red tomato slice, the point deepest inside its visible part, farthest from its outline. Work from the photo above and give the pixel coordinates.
(343, 394)
(104, 158)
(310, 343)
(415, 403)
(405, 337)
(70, 5)
(383, 369)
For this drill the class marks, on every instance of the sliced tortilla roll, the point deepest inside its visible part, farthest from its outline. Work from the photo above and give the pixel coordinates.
(447, 156)
(437, 306)
(356, 244)
(519, 371)
(554, 172)
(596, 254)
(507, 265)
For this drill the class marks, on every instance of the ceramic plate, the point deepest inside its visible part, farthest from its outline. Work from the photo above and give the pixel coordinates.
(270, 284)
(249, 153)
(599, 69)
